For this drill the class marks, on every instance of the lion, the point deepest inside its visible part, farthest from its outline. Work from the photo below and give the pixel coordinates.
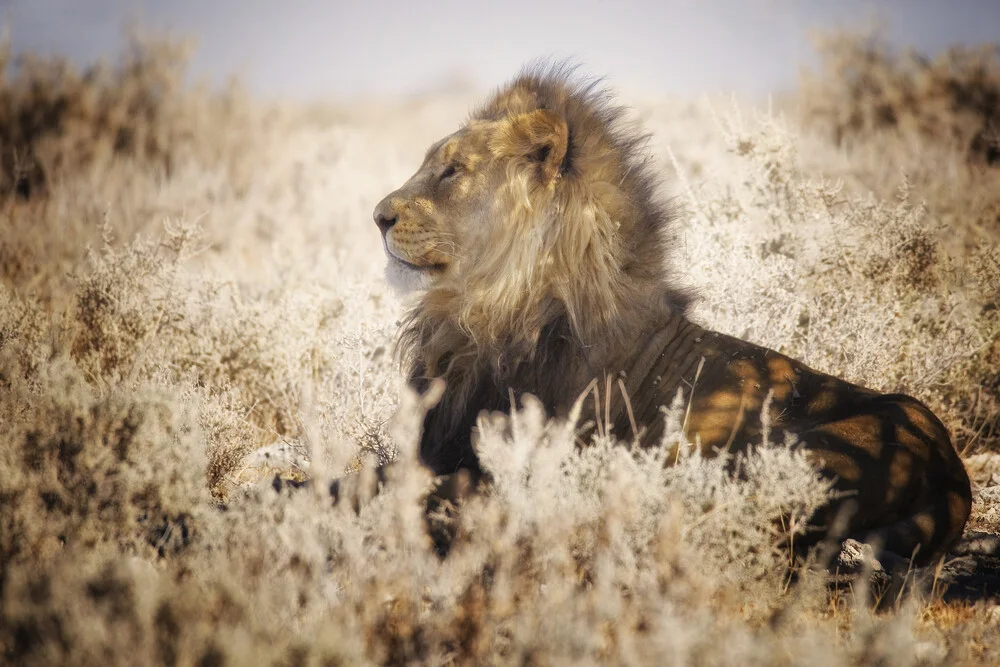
(534, 246)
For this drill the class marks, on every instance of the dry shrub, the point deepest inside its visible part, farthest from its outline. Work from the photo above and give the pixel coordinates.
(74, 144)
(557, 564)
(56, 120)
(932, 122)
(250, 358)
(80, 470)
(865, 87)
(95, 608)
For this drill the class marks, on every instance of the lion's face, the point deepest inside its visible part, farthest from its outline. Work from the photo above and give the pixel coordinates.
(448, 212)
(425, 222)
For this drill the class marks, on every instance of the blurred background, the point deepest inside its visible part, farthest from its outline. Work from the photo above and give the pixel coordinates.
(308, 49)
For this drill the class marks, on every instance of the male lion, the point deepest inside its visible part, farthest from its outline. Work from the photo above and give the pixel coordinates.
(536, 244)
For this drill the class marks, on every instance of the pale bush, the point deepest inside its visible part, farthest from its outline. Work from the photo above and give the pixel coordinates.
(82, 470)
(865, 86)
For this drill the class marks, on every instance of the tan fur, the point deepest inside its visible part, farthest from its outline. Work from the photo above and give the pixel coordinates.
(539, 248)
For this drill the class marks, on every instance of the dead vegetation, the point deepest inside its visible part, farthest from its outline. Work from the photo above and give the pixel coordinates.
(182, 313)
(866, 87)
(56, 120)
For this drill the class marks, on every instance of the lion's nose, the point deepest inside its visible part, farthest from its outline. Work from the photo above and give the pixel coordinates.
(384, 223)
(385, 216)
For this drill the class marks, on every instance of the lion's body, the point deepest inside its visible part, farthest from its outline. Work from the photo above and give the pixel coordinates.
(535, 237)
(902, 482)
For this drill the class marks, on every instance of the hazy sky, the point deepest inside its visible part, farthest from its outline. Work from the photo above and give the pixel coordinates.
(341, 49)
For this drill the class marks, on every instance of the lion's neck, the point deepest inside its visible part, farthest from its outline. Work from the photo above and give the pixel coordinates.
(557, 350)
(557, 365)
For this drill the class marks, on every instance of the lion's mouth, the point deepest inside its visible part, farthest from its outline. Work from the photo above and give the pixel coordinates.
(430, 268)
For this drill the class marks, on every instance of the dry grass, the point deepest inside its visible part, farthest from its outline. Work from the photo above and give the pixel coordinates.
(901, 114)
(866, 87)
(185, 313)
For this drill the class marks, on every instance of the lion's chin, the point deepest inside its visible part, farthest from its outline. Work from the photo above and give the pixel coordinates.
(406, 278)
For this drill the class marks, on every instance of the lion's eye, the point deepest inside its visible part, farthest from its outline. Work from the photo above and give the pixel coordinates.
(450, 171)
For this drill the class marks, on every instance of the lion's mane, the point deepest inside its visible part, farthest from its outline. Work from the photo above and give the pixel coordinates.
(564, 288)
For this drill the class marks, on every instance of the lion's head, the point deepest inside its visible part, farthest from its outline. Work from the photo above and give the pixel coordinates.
(533, 232)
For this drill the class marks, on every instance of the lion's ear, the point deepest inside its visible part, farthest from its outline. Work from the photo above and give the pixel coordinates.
(540, 136)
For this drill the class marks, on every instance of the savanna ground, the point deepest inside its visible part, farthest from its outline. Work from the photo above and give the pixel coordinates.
(191, 298)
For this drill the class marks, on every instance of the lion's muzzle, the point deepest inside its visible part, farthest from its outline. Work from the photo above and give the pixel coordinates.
(385, 216)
